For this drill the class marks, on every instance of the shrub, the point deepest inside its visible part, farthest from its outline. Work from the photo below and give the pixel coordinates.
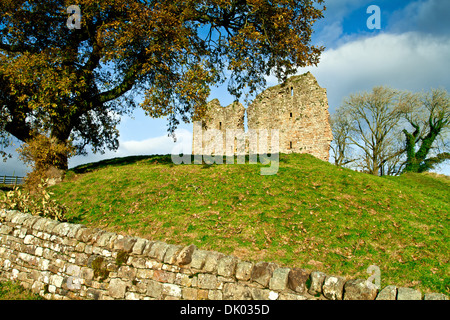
(48, 158)
(39, 204)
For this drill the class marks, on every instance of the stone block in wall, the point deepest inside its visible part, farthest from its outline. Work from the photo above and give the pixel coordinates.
(171, 254)
(215, 295)
(137, 262)
(126, 272)
(124, 244)
(37, 287)
(183, 280)
(234, 291)
(49, 225)
(259, 293)
(5, 229)
(262, 272)
(388, 293)
(190, 293)
(359, 289)
(117, 288)
(408, 294)
(148, 248)
(154, 289)
(207, 281)
(81, 259)
(153, 264)
(226, 266)
(291, 296)
(172, 290)
(198, 259)
(202, 294)
(163, 276)
(73, 270)
(279, 279)
(28, 223)
(140, 285)
(87, 273)
(170, 268)
(85, 235)
(39, 224)
(297, 280)
(19, 218)
(185, 255)
(317, 278)
(158, 251)
(333, 287)
(29, 239)
(89, 249)
(132, 296)
(435, 296)
(139, 246)
(244, 270)
(56, 280)
(104, 240)
(62, 229)
(212, 260)
(93, 294)
(144, 273)
(79, 247)
(74, 230)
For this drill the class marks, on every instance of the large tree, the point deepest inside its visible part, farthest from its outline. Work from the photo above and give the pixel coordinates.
(389, 132)
(71, 85)
(341, 146)
(373, 118)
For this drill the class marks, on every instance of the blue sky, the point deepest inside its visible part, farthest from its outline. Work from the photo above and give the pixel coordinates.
(411, 51)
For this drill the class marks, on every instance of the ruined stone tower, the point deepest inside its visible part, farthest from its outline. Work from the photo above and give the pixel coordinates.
(298, 109)
(219, 118)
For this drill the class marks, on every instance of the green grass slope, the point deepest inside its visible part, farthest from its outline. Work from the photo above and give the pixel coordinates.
(311, 214)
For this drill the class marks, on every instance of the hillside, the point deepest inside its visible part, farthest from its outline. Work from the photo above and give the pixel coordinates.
(311, 214)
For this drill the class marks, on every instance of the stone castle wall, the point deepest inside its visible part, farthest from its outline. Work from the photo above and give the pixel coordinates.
(71, 261)
(298, 109)
(218, 118)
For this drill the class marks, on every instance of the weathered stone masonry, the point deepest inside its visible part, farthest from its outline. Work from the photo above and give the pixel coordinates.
(298, 109)
(70, 261)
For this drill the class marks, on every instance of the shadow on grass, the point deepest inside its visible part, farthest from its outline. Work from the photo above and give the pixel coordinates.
(157, 159)
(84, 168)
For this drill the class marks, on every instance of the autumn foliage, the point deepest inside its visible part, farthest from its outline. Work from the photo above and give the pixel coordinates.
(72, 85)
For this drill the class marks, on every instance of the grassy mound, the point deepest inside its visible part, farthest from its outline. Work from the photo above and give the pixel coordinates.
(311, 214)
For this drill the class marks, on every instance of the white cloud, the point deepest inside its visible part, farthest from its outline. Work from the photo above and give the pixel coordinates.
(411, 61)
(158, 145)
(154, 145)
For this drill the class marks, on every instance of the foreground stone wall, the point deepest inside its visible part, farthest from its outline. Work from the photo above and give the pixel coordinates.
(70, 261)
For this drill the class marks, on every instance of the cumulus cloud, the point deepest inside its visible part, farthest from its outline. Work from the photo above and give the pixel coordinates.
(409, 61)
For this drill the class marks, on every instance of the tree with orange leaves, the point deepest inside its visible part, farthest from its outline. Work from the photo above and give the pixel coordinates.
(71, 84)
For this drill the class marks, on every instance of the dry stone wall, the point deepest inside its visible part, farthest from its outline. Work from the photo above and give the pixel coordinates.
(71, 261)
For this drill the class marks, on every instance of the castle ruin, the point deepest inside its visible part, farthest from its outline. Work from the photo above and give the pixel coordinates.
(298, 109)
